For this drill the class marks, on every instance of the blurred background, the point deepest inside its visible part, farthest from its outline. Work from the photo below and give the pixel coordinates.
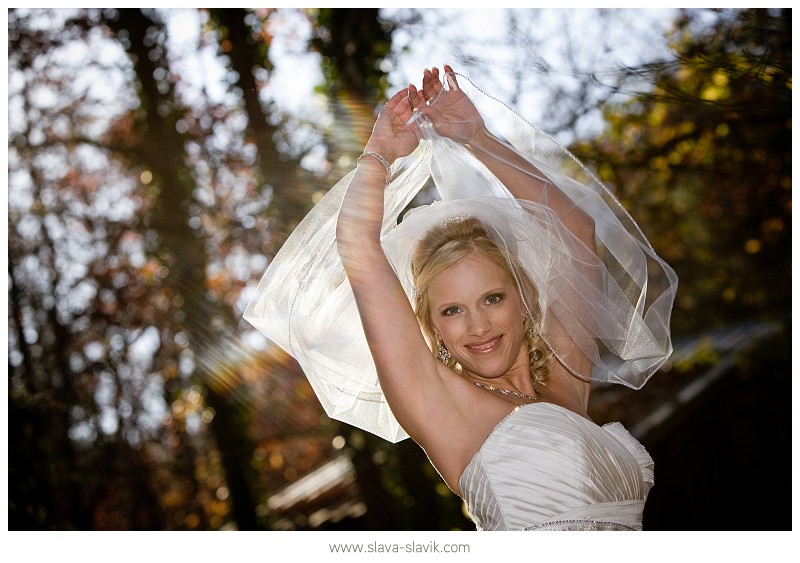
(158, 159)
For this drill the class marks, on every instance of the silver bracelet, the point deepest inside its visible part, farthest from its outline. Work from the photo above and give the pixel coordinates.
(380, 159)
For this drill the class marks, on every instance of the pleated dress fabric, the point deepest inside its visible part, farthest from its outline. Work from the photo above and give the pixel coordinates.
(544, 467)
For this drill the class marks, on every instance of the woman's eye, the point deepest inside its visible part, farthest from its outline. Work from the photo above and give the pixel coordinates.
(450, 311)
(494, 299)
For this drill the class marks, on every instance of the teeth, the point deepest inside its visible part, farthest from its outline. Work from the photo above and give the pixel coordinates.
(483, 347)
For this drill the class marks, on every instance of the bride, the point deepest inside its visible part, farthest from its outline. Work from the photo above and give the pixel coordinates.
(475, 325)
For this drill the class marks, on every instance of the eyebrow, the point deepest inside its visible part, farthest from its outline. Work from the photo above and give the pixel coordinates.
(493, 292)
(482, 296)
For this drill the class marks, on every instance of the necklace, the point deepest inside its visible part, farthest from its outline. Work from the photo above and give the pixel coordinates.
(509, 391)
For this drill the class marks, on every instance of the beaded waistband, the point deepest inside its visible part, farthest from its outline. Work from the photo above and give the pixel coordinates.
(579, 526)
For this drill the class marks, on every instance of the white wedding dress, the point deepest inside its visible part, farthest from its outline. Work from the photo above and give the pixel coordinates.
(544, 467)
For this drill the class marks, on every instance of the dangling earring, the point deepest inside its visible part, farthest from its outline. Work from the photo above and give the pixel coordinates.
(536, 353)
(442, 354)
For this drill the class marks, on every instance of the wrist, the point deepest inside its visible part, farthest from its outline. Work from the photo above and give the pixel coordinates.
(481, 139)
(376, 158)
(383, 150)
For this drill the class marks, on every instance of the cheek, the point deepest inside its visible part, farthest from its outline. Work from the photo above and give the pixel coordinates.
(514, 321)
(449, 330)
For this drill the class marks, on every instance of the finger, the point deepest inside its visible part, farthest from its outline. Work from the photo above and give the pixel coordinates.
(426, 83)
(414, 98)
(451, 77)
(429, 82)
(436, 82)
(404, 111)
(435, 73)
(398, 110)
(395, 101)
(403, 108)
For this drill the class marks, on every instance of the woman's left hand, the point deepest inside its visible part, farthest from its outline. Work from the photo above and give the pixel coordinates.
(450, 111)
(392, 136)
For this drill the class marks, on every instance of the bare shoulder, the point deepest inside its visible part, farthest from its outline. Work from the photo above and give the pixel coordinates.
(457, 428)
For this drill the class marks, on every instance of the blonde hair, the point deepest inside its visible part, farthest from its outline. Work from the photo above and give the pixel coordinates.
(446, 244)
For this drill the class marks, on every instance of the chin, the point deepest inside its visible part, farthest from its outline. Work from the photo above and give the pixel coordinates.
(488, 370)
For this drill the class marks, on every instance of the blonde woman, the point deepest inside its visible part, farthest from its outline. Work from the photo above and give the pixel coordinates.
(485, 315)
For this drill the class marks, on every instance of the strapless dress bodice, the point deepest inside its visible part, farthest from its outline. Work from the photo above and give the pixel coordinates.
(545, 467)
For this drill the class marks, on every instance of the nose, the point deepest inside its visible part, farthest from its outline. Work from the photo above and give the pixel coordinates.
(478, 323)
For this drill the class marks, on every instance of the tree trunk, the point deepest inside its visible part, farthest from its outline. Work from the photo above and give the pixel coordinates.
(161, 150)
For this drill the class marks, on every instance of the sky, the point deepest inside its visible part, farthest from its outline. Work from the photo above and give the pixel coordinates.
(478, 44)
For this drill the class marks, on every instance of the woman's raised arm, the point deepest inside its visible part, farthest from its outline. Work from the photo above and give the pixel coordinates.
(408, 373)
(455, 116)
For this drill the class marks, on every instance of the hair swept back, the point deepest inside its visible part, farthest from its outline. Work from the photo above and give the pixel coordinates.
(447, 243)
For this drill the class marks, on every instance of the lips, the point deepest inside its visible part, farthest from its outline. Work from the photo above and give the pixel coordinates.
(485, 346)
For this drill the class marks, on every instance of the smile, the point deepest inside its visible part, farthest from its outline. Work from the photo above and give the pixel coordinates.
(485, 347)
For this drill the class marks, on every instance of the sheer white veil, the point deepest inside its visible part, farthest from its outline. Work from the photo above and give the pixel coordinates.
(612, 302)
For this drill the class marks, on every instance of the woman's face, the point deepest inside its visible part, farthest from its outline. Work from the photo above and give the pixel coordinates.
(476, 311)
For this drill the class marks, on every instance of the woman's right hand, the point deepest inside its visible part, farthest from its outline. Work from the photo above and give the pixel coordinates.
(451, 112)
(392, 136)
